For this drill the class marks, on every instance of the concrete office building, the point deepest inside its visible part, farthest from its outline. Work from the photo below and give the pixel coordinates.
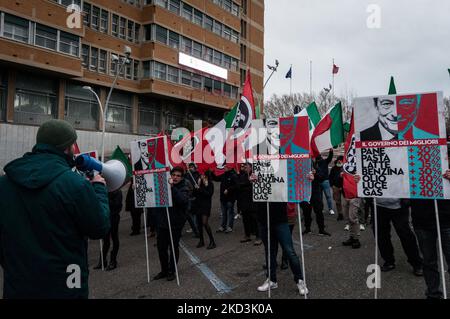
(189, 60)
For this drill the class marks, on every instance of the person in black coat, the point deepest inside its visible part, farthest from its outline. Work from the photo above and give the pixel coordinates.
(135, 212)
(337, 182)
(424, 222)
(192, 177)
(115, 207)
(322, 176)
(177, 214)
(245, 203)
(203, 192)
(228, 186)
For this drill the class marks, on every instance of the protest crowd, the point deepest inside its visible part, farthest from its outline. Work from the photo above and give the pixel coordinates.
(48, 209)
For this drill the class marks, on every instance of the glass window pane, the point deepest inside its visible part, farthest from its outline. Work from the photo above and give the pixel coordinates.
(186, 45)
(104, 21)
(198, 17)
(196, 81)
(172, 74)
(102, 61)
(69, 43)
(161, 34)
(115, 25)
(187, 11)
(208, 23)
(218, 28)
(94, 59)
(217, 87)
(95, 17)
(174, 39)
(122, 27)
(160, 71)
(186, 78)
(208, 85)
(85, 55)
(15, 28)
(86, 14)
(45, 37)
(197, 50)
(174, 6)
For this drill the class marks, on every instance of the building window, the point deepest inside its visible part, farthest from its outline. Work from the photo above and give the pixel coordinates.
(243, 76)
(129, 70)
(160, 71)
(234, 92)
(174, 6)
(186, 45)
(243, 53)
(113, 67)
(196, 81)
(227, 90)
(207, 23)
(35, 99)
(102, 61)
(234, 64)
(146, 69)
(217, 57)
(115, 25)
(85, 55)
(69, 43)
(174, 39)
(45, 37)
(208, 84)
(227, 61)
(187, 11)
(226, 32)
(122, 27)
(161, 3)
(104, 21)
(161, 34)
(148, 32)
(130, 32)
(95, 17)
(243, 29)
(81, 107)
(149, 116)
(118, 116)
(217, 87)
(135, 70)
(217, 28)
(198, 17)
(87, 14)
(235, 9)
(172, 74)
(244, 6)
(16, 28)
(94, 59)
(197, 50)
(186, 78)
(208, 54)
(137, 29)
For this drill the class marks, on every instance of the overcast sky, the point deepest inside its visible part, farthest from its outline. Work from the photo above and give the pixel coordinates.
(413, 45)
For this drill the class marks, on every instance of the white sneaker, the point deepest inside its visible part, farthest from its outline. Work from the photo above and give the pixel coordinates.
(189, 230)
(229, 230)
(237, 216)
(361, 227)
(347, 227)
(332, 212)
(302, 287)
(265, 285)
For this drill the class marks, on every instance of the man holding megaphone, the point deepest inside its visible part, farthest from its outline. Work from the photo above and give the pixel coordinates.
(47, 211)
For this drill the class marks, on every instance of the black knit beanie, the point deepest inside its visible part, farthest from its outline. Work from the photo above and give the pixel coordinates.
(58, 133)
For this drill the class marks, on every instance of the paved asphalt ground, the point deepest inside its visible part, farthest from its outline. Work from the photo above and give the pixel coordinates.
(234, 270)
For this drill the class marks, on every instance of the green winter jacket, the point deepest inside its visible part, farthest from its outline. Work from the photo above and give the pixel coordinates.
(47, 211)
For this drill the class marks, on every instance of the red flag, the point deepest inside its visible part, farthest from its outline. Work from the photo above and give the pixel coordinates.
(350, 188)
(335, 69)
(77, 149)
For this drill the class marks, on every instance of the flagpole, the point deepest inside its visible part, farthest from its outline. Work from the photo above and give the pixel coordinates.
(292, 100)
(310, 78)
(441, 258)
(301, 244)
(332, 93)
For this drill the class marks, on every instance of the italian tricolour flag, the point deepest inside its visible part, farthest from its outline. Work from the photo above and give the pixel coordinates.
(313, 114)
(329, 132)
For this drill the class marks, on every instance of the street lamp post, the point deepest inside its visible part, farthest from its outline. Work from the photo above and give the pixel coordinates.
(119, 69)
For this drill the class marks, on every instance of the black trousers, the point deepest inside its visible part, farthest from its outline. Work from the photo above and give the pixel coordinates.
(165, 249)
(136, 220)
(400, 219)
(114, 235)
(318, 210)
(250, 222)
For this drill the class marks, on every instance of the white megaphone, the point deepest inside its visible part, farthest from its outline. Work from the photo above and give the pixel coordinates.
(114, 171)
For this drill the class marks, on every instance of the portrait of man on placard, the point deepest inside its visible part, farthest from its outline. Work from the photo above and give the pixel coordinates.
(403, 118)
(150, 152)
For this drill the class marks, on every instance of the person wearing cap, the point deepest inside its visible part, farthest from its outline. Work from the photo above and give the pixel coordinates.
(47, 212)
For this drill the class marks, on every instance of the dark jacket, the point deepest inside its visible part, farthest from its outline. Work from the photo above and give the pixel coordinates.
(47, 211)
(203, 198)
(115, 202)
(335, 176)
(424, 216)
(129, 202)
(321, 167)
(245, 193)
(177, 213)
(277, 213)
(228, 181)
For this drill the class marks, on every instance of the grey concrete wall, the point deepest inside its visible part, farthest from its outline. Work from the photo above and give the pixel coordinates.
(16, 140)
